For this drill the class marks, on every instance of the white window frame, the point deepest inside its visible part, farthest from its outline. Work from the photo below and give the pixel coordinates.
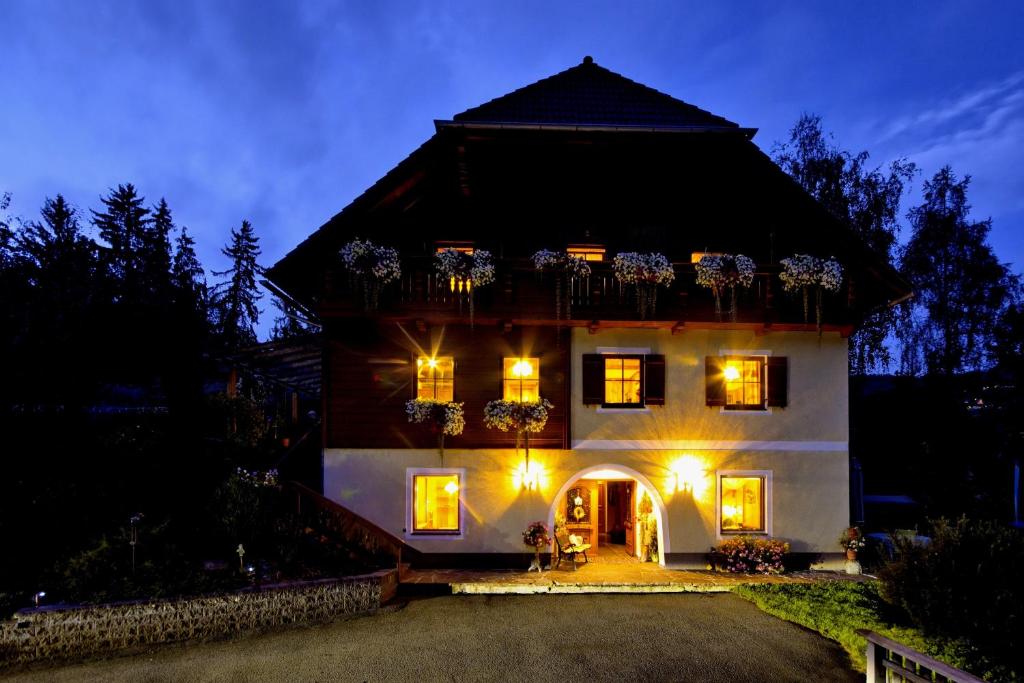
(768, 503)
(410, 507)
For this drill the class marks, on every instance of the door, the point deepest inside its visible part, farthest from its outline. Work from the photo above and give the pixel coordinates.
(630, 514)
(581, 512)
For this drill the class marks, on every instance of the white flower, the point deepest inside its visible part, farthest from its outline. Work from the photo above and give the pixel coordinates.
(633, 268)
(445, 416)
(570, 264)
(802, 270)
(716, 272)
(477, 268)
(367, 259)
(517, 416)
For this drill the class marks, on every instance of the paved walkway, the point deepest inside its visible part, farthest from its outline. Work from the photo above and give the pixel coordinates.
(507, 638)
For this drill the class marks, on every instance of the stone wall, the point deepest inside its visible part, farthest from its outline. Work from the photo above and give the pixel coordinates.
(55, 633)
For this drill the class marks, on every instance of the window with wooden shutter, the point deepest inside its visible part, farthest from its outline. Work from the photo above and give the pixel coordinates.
(654, 380)
(714, 381)
(593, 379)
(778, 381)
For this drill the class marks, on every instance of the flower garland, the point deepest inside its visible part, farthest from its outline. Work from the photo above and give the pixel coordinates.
(646, 272)
(522, 417)
(749, 554)
(444, 418)
(802, 272)
(465, 272)
(371, 266)
(567, 266)
(717, 272)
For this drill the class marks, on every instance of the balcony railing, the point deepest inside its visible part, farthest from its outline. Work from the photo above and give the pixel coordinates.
(520, 292)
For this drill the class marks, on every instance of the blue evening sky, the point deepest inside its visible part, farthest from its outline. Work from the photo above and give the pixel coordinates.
(284, 112)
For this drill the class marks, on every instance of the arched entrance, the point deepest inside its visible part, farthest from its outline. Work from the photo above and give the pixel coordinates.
(626, 473)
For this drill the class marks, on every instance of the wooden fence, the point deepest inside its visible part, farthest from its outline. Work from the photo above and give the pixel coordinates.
(890, 662)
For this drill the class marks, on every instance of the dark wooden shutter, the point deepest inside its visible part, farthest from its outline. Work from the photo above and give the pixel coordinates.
(593, 379)
(778, 381)
(714, 381)
(654, 380)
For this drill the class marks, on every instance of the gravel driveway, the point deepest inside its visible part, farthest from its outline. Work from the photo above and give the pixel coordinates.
(680, 637)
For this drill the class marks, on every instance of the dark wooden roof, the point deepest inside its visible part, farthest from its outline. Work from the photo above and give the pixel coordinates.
(590, 95)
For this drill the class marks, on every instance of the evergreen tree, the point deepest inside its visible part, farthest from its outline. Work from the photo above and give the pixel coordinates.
(961, 288)
(122, 225)
(6, 234)
(289, 324)
(155, 255)
(236, 297)
(867, 199)
(187, 275)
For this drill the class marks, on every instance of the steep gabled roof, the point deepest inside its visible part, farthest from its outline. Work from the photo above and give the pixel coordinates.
(590, 95)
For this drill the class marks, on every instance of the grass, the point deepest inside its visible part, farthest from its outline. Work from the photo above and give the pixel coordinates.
(836, 609)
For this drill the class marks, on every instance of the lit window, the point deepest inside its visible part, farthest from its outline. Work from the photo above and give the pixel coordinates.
(622, 380)
(521, 379)
(464, 247)
(435, 503)
(742, 503)
(587, 253)
(696, 256)
(435, 378)
(744, 383)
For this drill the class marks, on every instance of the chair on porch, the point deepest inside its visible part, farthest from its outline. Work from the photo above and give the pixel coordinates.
(570, 546)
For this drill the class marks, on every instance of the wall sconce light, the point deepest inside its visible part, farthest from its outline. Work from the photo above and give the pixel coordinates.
(689, 475)
(529, 477)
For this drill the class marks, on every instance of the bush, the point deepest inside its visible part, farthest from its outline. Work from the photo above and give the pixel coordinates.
(965, 583)
(749, 554)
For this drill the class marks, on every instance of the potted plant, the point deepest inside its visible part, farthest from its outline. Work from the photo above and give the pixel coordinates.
(444, 418)
(852, 541)
(566, 268)
(465, 272)
(536, 537)
(646, 272)
(521, 417)
(721, 271)
(804, 273)
(370, 267)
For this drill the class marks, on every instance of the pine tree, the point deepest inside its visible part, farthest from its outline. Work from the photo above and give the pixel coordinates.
(187, 275)
(236, 298)
(122, 226)
(961, 289)
(290, 323)
(868, 200)
(6, 234)
(155, 255)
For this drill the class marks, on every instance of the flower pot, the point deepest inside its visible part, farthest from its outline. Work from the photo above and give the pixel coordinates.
(851, 555)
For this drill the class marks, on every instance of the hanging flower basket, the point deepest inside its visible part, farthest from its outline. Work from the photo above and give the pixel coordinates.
(465, 272)
(646, 272)
(805, 273)
(718, 272)
(445, 418)
(566, 268)
(521, 417)
(370, 267)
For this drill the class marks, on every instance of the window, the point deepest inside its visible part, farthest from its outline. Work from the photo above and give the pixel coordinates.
(587, 252)
(696, 256)
(742, 503)
(521, 379)
(435, 378)
(464, 247)
(744, 383)
(435, 503)
(623, 379)
(626, 378)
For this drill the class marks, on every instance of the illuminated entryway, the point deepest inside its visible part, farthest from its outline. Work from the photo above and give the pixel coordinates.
(594, 501)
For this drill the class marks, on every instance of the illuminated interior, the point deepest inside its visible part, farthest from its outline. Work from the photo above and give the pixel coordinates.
(436, 502)
(435, 378)
(696, 256)
(521, 379)
(587, 253)
(744, 382)
(622, 381)
(462, 248)
(742, 503)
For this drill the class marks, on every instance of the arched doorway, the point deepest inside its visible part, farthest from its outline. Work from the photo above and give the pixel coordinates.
(627, 473)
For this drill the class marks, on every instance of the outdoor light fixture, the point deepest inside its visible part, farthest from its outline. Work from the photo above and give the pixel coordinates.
(688, 474)
(529, 477)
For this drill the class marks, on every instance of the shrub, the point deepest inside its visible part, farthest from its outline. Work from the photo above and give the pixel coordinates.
(749, 554)
(964, 583)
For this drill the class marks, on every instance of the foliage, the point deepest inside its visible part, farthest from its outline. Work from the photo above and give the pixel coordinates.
(373, 261)
(563, 262)
(646, 272)
(537, 535)
(852, 539)
(445, 417)
(750, 554)
(961, 288)
(517, 416)
(867, 199)
(717, 272)
(236, 298)
(964, 584)
(476, 268)
(837, 609)
(805, 273)
(290, 324)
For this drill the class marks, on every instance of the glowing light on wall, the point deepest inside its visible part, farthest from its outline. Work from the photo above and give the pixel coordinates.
(689, 475)
(732, 373)
(530, 477)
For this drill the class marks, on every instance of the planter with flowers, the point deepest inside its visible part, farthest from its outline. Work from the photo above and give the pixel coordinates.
(370, 267)
(748, 554)
(566, 268)
(465, 272)
(536, 537)
(852, 541)
(646, 272)
(445, 418)
(521, 417)
(719, 272)
(804, 273)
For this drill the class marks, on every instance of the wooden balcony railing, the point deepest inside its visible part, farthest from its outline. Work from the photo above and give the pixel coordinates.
(520, 292)
(891, 662)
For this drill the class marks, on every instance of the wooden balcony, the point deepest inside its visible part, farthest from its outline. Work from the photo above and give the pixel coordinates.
(522, 295)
